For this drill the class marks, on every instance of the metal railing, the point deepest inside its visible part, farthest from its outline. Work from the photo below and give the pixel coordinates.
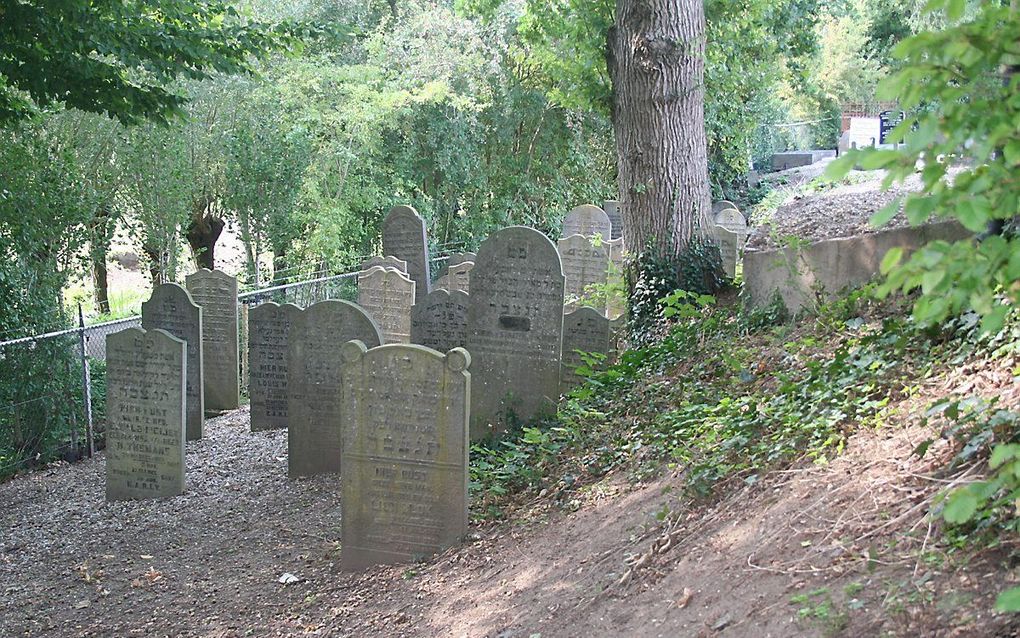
(53, 385)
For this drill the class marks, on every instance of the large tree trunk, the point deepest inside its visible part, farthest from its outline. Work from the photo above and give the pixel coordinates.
(205, 228)
(656, 56)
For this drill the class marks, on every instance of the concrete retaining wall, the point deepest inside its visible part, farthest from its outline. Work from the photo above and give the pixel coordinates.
(828, 267)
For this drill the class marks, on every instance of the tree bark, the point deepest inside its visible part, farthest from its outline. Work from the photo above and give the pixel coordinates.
(101, 233)
(205, 228)
(656, 58)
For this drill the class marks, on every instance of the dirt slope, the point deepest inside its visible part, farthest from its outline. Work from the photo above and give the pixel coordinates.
(841, 549)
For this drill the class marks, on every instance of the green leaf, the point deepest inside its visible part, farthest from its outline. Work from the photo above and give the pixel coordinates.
(960, 507)
(1008, 601)
(885, 214)
(891, 259)
(954, 9)
(839, 167)
(992, 322)
(1003, 453)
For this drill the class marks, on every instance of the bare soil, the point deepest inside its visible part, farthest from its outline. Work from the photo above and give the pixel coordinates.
(841, 549)
(830, 213)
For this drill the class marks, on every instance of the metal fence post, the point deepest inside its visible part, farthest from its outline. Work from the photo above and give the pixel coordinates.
(86, 381)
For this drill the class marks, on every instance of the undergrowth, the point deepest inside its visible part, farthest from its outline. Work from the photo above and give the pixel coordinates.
(729, 394)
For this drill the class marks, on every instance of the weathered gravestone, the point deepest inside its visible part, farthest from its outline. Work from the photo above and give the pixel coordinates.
(458, 278)
(171, 308)
(387, 295)
(403, 236)
(385, 262)
(439, 321)
(269, 328)
(722, 205)
(145, 412)
(456, 259)
(584, 264)
(587, 220)
(729, 247)
(612, 208)
(515, 323)
(584, 330)
(616, 303)
(216, 293)
(405, 453)
(732, 220)
(314, 404)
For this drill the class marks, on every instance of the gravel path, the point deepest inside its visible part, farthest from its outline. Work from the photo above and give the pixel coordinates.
(72, 564)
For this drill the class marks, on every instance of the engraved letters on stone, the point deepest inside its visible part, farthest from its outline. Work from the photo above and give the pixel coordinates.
(216, 293)
(387, 295)
(269, 327)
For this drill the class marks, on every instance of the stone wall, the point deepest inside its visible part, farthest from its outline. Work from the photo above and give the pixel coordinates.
(827, 267)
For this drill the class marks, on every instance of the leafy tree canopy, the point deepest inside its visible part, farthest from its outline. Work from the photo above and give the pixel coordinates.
(120, 56)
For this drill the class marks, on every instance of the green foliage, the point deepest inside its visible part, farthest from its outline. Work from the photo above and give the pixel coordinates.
(120, 57)
(698, 270)
(694, 400)
(962, 115)
(563, 50)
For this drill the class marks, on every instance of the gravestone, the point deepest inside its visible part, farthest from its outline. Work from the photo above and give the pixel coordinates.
(732, 220)
(887, 121)
(405, 453)
(616, 303)
(216, 292)
(314, 404)
(584, 264)
(459, 278)
(584, 330)
(439, 321)
(587, 220)
(385, 262)
(171, 308)
(145, 408)
(612, 208)
(387, 295)
(722, 205)
(515, 323)
(456, 259)
(403, 236)
(729, 248)
(269, 327)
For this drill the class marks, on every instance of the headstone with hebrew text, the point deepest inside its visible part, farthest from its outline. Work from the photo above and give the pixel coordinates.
(515, 323)
(404, 475)
(404, 237)
(439, 321)
(587, 220)
(585, 330)
(387, 295)
(458, 278)
(145, 407)
(584, 264)
(171, 308)
(216, 293)
(314, 405)
(269, 327)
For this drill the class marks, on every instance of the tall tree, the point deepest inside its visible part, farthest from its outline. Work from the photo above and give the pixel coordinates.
(656, 55)
(120, 57)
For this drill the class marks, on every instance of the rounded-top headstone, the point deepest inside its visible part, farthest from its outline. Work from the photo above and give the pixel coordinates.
(404, 237)
(587, 220)
(732, 220)
(170, 307)
(721, 205)
(515, 323)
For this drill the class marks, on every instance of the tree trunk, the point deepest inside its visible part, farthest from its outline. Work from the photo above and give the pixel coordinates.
(205, 228)
(656, 57)
(100, 234)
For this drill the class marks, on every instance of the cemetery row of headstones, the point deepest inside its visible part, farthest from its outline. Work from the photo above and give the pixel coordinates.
(393, 418)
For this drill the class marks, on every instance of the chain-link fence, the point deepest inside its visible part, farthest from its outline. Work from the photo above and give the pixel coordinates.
(53, 385)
